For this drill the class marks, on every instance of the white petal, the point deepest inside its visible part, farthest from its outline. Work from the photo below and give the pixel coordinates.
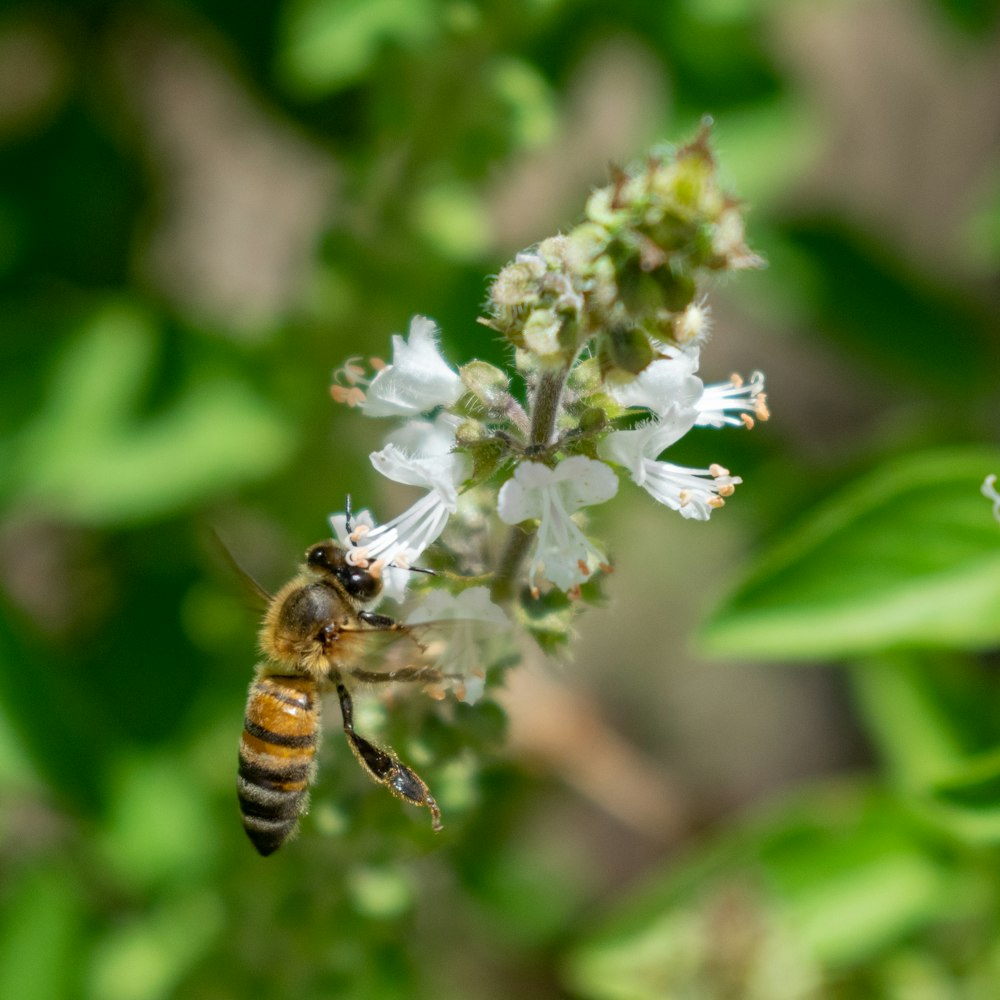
(584, 481)
(394, 583)
(518, 501)
(424, 438)
(418, 380)
(563, 554)
(401, 467)
(580, 482)
(440, 473)
(338, 524)
(989, 490)
(474, 687)
(632, 448)
(664, 382)
(473, 604)
(402, 540)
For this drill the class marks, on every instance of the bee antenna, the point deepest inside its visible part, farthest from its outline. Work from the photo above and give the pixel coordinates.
(348, 515)
(419, 569)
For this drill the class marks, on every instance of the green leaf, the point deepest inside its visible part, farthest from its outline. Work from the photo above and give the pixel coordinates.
(329, 44)
(534, 119)
(91, 457)
(911, 328)
(852, 873)
(967, 802)
(909, 556)
(902, 702)
(829, 880)
(453, 219)
(158, 829)
(41, 933)
(145, 958)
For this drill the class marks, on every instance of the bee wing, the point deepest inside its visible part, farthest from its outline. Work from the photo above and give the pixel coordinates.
(256, 593)
(438, 654)
(383, 650)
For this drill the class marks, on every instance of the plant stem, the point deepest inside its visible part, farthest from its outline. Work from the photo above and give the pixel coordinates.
(545, 405)
(544, 410)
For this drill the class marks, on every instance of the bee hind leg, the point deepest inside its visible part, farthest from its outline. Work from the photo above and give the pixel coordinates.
(385, 767)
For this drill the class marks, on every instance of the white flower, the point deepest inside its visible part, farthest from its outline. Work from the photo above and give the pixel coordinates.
(989, 490)
(463, 655)
(397, 543)
(561, 553)
(426, 438)
(694, 493)
(418, 380)
(394, 578)
(668, 381)
(734, 402)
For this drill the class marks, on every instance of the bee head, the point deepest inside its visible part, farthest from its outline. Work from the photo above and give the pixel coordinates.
(329, 558)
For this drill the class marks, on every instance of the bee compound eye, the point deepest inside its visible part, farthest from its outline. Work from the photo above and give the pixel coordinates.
(316, 555)
(325, 555)
(361, 584)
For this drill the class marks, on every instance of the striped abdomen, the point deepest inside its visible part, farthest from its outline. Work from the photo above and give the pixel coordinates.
(277, 758)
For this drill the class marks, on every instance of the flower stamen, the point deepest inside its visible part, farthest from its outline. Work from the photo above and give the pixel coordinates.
(734, 403)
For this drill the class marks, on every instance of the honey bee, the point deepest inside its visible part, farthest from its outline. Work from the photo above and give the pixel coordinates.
(318, 634)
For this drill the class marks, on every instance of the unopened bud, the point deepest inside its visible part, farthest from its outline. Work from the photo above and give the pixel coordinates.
(592, 420)
(469, 432)
(488, 384)
(676, 288)
(540, 333)
(627, 349)
(517, 284)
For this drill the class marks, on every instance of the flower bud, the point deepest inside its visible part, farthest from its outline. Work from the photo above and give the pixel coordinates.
(487, 454)
(553, 252)
(626, 350)
(729, 244)
(677, 289)
(603, 209)
(541, 332)
(593, 420)
(488, 384)
(584, 246)
(468, 432)
(517, 288)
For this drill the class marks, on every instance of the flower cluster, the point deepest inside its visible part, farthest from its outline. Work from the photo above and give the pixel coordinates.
(607, 324)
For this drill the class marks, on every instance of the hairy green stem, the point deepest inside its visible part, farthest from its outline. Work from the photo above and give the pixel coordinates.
(544, 410)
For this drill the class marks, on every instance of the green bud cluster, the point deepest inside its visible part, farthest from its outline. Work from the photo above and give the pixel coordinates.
(625, 278)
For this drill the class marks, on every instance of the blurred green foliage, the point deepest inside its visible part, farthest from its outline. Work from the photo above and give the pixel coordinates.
(170, 314)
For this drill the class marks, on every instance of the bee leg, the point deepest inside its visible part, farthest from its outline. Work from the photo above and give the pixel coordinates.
(379, 621)
(427, 674)
(385, 767)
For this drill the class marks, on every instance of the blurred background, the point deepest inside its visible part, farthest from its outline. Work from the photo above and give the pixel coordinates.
(771, 770)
